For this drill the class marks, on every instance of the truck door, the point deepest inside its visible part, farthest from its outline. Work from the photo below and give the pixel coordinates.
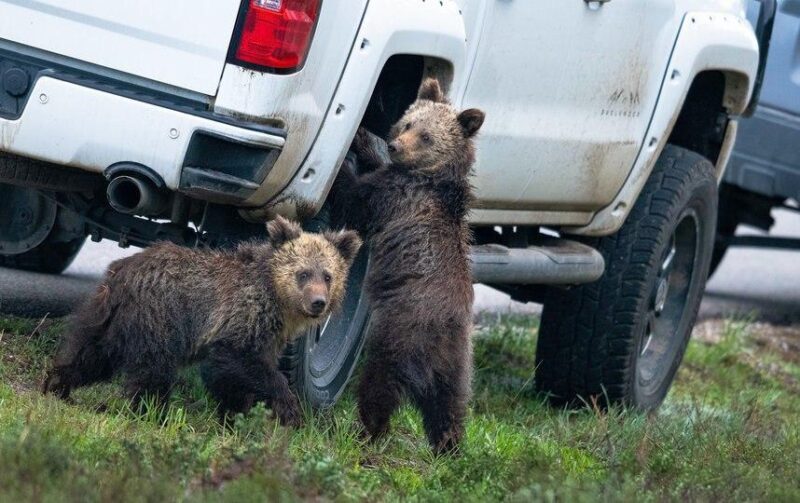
(568, 87)
(766, 159)
(781, 89)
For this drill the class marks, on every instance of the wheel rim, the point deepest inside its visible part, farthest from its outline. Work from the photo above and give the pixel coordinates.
(27, 219)
(662, 334)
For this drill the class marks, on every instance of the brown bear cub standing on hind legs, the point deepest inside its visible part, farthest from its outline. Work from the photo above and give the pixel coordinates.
(413, 215)
(233, 310)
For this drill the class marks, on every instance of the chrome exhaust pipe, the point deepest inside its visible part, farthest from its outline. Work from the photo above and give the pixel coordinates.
(132, 195)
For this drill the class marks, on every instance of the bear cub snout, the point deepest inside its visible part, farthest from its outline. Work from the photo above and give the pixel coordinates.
(231, 311)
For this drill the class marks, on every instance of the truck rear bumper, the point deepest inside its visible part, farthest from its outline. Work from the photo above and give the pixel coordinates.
(67, 123)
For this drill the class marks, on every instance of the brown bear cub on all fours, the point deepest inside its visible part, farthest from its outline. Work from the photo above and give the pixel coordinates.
(232, 311)
(412, 213)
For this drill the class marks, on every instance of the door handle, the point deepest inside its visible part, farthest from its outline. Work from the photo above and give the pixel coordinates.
(595, 4)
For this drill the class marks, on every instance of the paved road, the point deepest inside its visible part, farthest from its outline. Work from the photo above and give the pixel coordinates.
(761, 283)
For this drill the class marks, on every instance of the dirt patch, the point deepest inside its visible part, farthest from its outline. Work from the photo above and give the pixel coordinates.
(784, 340)
(274, 462)
(218, 476)
(780, 340)
(709, 331)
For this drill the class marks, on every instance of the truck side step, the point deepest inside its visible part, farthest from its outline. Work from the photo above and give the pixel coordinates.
(553, 261)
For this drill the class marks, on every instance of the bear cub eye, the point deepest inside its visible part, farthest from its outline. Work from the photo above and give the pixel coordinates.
(327, 276)
(407, 126)
(303, 276)
(426, 137)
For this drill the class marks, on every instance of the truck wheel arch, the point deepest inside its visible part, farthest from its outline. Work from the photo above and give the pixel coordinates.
(397, 88)
(390, 32)
(702, 122)
(707, 46)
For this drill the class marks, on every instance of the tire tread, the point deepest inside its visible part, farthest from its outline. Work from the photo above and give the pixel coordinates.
(584, 347)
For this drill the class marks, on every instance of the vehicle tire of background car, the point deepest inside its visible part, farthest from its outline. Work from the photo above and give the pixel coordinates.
(50, 257)
(42, 175)
(621, 339)
(35, 234)
(319, 364)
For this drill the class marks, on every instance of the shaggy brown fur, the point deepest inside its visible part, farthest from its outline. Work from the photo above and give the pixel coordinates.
(235, 311)
(412, 212)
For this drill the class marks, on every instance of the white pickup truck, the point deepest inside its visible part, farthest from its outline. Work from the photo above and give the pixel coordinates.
(609, 123)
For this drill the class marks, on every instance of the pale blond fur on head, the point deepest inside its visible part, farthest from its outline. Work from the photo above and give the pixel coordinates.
(309, 251)
(326, 255)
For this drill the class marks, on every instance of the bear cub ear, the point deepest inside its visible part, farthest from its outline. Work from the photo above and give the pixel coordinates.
(346, 242)
(471, 121)
(281, 231)
(430, 90)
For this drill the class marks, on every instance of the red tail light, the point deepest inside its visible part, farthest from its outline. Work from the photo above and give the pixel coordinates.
(277, 33)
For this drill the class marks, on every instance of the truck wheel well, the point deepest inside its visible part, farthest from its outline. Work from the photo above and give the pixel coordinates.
(702, 121)
(397, 88)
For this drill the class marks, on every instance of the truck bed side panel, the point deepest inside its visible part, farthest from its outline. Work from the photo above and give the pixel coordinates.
(182, 43)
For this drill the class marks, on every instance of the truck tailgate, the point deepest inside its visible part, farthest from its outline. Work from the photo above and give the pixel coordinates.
(183, 43)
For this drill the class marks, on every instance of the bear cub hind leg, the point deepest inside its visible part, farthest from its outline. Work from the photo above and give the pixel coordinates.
(239, 380)
(379, 394)
(149, 383)
(444, 411)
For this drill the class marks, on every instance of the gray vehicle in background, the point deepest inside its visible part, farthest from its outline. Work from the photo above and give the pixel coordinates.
(764, 170)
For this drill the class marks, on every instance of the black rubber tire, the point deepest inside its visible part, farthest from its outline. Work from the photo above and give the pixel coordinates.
(35, 234)
(42, 175)
(50, 257)
(591, 335)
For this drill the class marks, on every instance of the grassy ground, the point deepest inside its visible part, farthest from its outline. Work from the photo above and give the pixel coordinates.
(730, 429)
